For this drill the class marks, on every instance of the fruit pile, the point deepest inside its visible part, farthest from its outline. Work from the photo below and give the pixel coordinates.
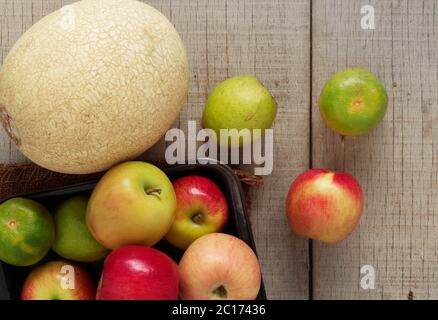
(120, 88)
(132, 208)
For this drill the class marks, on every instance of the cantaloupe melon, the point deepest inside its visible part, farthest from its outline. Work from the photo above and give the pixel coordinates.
(93, 84)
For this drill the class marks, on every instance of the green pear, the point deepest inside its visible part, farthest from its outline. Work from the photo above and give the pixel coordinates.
(240, 102)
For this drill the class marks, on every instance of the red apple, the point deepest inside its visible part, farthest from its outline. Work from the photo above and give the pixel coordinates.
(324, 205)
(138, 273)
(219, 266)
(201, 209)
(58, 280)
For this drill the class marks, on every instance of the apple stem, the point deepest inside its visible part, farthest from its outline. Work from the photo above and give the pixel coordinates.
(198, 218)
(153, 192)
(221, 292)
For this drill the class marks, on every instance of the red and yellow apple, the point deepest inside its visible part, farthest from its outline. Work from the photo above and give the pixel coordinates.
(201, 209)
(138, 273)
(133, 203)
(219, 266)
(58, 280)
(324, 205)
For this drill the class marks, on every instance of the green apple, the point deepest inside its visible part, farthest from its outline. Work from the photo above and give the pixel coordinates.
(133, 203)
(73, 240)
(353, 102)
(241, 102)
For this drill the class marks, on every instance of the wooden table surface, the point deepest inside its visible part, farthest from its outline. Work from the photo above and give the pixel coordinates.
(293, 47)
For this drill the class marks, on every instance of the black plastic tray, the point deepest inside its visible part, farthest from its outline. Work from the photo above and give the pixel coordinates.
(12, 278)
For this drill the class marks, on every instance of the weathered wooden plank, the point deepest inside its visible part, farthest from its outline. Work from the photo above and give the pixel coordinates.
(397, 163)
(279, 49)
(267, 38)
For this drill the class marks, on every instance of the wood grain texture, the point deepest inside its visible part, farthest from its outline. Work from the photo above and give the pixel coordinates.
(396, 163)
(279, 50)
(269, 39)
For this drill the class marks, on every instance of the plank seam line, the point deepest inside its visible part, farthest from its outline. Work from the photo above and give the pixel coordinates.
(310, 243)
